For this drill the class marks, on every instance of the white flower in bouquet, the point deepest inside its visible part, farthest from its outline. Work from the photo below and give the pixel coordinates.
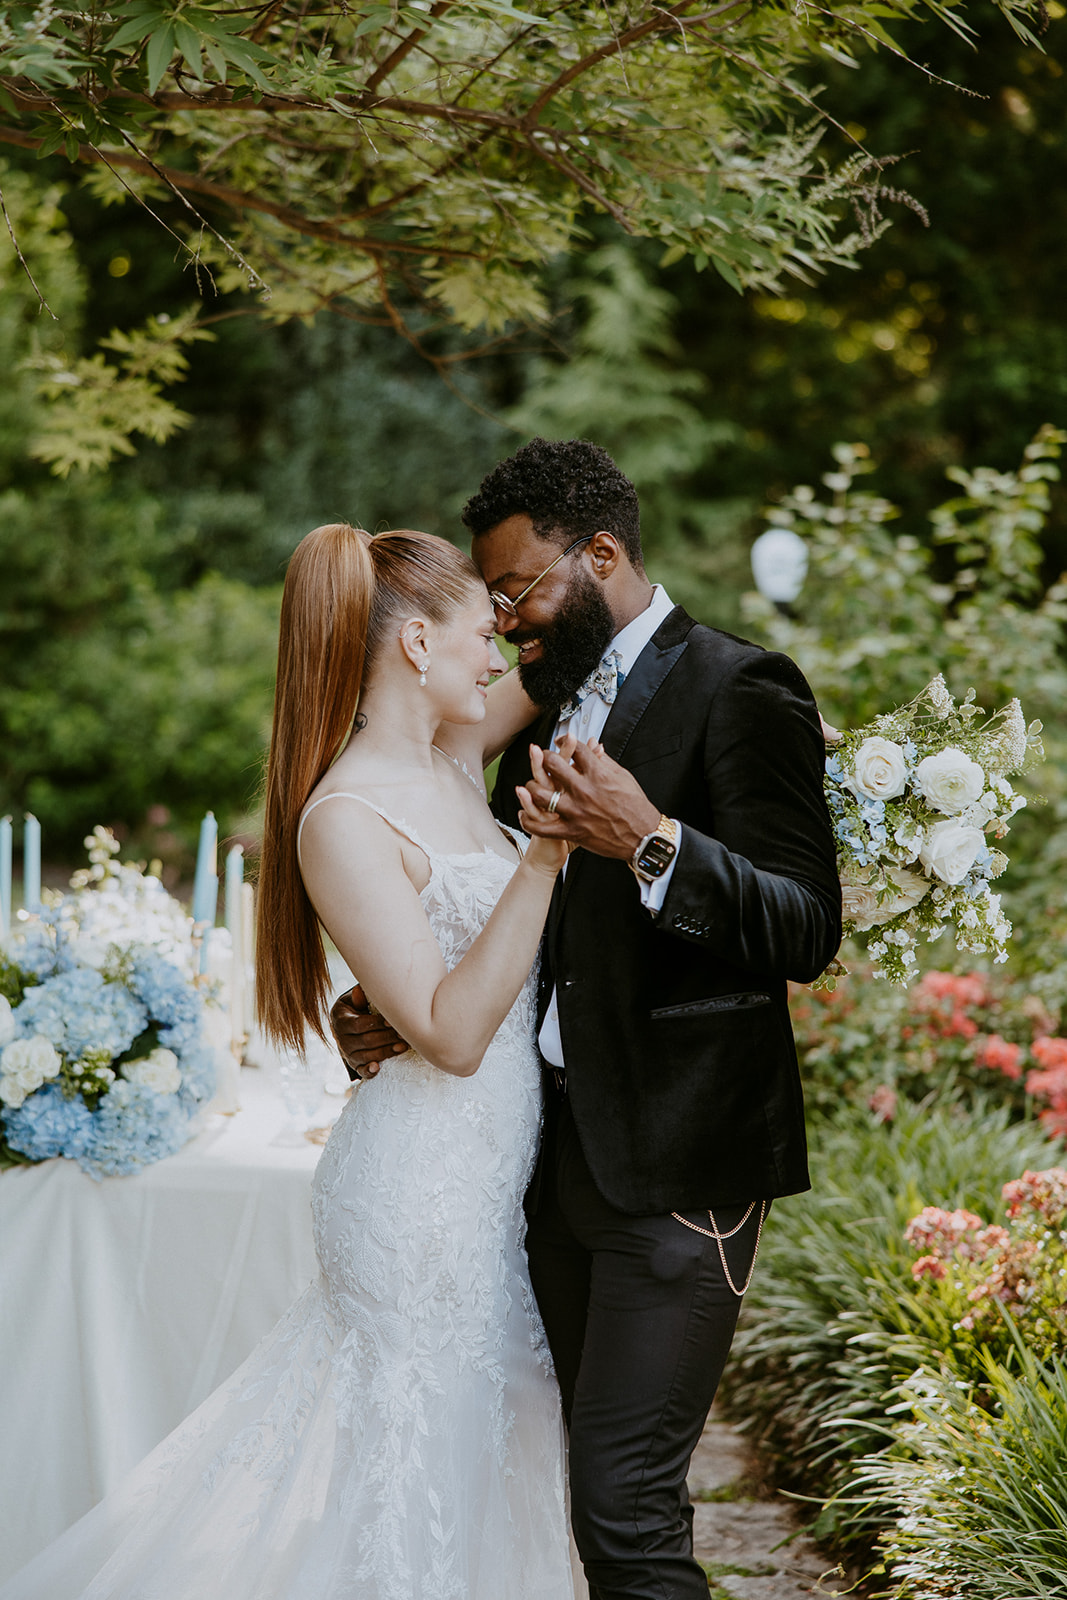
(879, 769)
(116, 906)
(914, 798)
(949, 781)
(869, 902)
(951, 849)
(126, 909)
(7, 1026)
(158, 1071)
(25, 1064)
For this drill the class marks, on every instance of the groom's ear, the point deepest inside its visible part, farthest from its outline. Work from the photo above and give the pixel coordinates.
(605, 553)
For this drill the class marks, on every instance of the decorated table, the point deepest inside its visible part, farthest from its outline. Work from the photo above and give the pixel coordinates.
(125, 1301)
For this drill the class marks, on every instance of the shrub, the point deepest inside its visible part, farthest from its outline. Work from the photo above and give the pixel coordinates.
(833, 1322)
(972, 1270)
(978, 1494)
(967, 1034)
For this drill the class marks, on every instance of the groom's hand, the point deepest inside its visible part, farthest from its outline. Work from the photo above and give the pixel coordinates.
(601, 806)
(364, 1038)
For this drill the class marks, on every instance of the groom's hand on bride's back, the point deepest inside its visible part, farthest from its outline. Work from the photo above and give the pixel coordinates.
(364, 1038)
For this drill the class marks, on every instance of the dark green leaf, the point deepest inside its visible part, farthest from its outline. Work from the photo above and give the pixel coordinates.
(160, 55)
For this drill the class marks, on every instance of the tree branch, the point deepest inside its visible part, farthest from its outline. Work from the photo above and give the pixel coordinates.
(564, 164)
(404, 48)
(615, 46)
(240, 201)
(23, 263)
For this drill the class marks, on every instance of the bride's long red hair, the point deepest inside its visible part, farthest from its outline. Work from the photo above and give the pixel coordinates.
(343, 590)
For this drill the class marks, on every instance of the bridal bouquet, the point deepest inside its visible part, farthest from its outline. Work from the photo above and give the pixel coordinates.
(106, 1050)
(915, 798)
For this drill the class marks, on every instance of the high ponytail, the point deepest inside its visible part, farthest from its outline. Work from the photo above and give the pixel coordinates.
(342, 590)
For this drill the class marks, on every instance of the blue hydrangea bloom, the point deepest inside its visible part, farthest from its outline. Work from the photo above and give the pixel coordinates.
(78, 1011)
(35, 952)
(170, 998)
(197, 1066)
(47, 1124)
(133, 1127)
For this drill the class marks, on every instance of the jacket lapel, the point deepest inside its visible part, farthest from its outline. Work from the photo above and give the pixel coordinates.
(643, 681)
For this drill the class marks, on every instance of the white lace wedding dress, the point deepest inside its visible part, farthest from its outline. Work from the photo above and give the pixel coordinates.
(397, 1436)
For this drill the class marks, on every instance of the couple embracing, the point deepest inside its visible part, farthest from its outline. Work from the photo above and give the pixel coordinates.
(535, 1220)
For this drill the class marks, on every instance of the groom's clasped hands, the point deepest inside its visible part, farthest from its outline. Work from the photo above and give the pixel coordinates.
(578, 794)
(583, 796)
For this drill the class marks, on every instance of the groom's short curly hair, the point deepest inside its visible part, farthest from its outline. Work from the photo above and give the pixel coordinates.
(567, 488)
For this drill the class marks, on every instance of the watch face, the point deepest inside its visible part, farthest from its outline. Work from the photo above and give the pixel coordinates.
(656, 857)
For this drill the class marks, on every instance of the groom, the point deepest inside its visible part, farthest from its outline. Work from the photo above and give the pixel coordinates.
(707, 878)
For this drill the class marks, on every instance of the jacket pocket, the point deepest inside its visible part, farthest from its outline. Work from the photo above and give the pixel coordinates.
(719, 1002)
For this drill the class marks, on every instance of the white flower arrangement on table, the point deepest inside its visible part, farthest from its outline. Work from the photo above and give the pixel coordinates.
(914, 797)
(106, 1052)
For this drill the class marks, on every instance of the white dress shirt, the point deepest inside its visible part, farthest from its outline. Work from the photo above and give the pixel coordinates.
(588, 723)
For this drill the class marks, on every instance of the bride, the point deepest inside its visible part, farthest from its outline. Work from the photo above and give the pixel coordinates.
(398, 1435)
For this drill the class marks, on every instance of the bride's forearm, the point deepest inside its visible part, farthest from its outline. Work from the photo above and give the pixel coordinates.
(470, 1002)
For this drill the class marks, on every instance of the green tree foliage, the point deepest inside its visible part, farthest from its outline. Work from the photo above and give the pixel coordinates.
(119, 697)
(119, 693)
(371, 156)
(626, 385)
(945, 343)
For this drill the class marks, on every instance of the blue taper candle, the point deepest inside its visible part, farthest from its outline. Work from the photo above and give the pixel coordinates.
(31, 864)
(5, 877)
(206, 882)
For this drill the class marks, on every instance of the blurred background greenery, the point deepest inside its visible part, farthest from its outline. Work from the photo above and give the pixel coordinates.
(138, 610)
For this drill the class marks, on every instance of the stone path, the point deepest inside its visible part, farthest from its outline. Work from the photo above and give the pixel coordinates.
(748, 1542)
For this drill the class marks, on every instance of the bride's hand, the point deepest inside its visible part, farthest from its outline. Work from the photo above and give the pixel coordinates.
(547, 855)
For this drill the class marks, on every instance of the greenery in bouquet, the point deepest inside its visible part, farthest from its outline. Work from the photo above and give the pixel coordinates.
(914, 797)
(106, 1051)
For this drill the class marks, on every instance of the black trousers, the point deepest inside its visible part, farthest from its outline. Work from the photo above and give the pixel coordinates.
(639, 1318)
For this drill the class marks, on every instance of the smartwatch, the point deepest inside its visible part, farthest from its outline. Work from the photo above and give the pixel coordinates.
(656, 851)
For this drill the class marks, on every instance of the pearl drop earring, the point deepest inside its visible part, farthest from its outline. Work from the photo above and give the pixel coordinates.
(422, 674)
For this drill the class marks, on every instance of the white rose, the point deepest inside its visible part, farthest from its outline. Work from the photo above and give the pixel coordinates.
(159, 1071)
(11, 1094)
(7, 1026)
(949, 781)
(860, 900)
(951, 850)
(879, 769)
(28, 1062)
(859, 903)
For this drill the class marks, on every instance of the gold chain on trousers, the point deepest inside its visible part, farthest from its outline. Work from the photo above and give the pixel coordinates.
(714, 1233)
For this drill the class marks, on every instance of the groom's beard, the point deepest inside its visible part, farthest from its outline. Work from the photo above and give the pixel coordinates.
(571, 644)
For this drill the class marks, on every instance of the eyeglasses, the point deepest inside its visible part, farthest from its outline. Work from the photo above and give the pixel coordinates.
(510, 608)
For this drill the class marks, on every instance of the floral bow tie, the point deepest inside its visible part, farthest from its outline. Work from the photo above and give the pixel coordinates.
(606, 680)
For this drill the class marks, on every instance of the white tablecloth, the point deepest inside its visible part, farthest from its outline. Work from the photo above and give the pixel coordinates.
(123, 1303)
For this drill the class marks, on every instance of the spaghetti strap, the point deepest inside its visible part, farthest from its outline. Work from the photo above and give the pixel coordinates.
(346, 794)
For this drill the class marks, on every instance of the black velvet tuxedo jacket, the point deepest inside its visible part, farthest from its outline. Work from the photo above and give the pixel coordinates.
(681, 1068)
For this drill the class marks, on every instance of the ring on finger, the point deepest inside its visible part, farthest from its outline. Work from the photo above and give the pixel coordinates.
(554, 802)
